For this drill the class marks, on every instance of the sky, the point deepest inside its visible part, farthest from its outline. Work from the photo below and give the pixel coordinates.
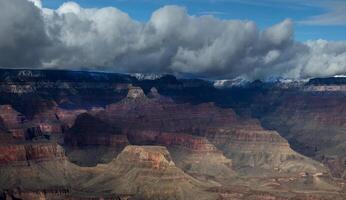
(214, 39)
(264, 12)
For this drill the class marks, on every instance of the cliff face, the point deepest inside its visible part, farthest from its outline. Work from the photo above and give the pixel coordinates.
(34, 164)
(162, 114)
(89, 130)
(68, 117)
(36, 152)
(190, 142)
(148, 172)
(314, 123)
(48, 123)
(194, 154)
(34, 170)
(53, 193)
(13, 153)
(310, 116)
(11, 118)
(193, 143)
(90, 141)
(323, 109)
(153, 157)
(163, 122)
(12, 121)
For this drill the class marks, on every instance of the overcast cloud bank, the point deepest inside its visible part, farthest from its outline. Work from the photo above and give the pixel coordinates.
(172, 41)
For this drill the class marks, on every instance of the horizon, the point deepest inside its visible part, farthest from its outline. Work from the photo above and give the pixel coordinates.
(178, 76)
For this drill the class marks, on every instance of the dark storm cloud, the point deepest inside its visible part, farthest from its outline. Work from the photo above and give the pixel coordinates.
(170, 42)
(22, 34)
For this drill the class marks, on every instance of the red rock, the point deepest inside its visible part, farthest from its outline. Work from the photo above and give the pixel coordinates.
(13, 121)
(166, 116)
(48, 122)
(11, 118)
(22, 153)
(68, 117)
(44, 194)
(12, 153)
(158, 122)
(198, 144)
(190, 142)
(149, 156)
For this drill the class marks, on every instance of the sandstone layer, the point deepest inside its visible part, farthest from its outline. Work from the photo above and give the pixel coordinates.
(239, 138)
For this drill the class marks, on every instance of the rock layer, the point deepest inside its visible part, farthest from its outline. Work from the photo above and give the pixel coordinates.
(148, 172)
(239, 138)
(25, 153)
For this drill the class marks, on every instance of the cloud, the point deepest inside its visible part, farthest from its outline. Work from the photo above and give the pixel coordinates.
(37, 3)
(333, 12)
(335, 15)
(22, 35)
(171, 41)
(210, 12)
(325, 59)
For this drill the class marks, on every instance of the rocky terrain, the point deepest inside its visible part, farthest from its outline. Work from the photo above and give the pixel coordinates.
(87, 135)
(315, 123)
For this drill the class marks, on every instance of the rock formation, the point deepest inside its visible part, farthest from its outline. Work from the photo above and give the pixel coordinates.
(135, 92)
(22, 154)
(314, 123)
(91, 140)
(148, 172)
(89, 130)
(241, 139)
(68, 117)
(72, 135)
(12, 121)
(11, 118)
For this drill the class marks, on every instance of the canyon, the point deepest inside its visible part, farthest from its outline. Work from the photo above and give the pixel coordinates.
(89, 135)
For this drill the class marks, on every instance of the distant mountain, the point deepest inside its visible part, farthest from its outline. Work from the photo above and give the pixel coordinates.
(271, 81)
(145, 76)
(23, 75)
(328, 81)
(231, 83)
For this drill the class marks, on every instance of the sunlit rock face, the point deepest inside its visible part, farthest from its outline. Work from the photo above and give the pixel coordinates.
(23, 154)
(148, 172)
(151, 157)
(135, 92)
